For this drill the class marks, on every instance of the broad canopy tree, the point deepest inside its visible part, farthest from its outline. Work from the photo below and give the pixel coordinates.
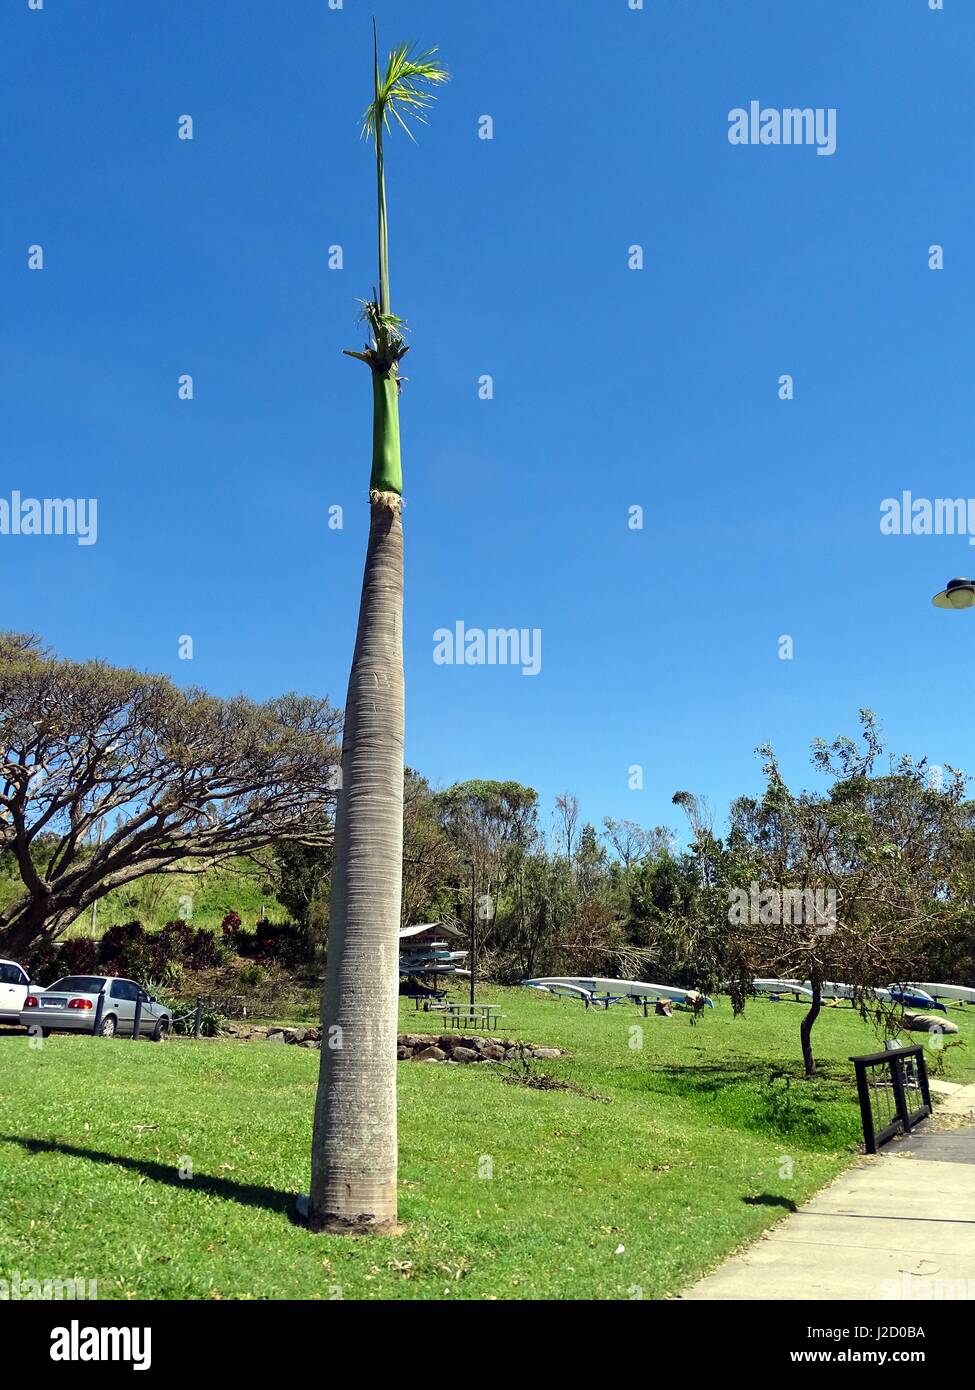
(110, 774)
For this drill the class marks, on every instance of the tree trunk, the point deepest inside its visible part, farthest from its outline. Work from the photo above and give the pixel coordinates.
(805, 1031)
(353, 1183)
(33, 929)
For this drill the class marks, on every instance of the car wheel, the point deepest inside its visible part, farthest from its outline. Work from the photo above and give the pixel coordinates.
(108, 1027)
(161, 1031)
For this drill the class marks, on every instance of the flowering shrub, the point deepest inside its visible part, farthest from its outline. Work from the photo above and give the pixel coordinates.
(128, 949)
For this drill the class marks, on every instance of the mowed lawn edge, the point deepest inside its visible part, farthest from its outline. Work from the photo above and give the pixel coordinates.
(167, 1171)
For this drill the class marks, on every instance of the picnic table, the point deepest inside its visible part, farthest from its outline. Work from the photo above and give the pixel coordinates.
(433, 999)
(474, 1016)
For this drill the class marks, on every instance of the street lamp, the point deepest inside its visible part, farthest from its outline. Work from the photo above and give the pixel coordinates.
(957, 593)
(472, 962)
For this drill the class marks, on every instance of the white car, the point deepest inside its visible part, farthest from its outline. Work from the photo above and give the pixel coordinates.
(14, 986)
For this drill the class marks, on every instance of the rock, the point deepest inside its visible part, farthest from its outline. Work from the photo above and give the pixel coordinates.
(310, 1042)
(276, 1036)
(452, 1047)
(314, 1034)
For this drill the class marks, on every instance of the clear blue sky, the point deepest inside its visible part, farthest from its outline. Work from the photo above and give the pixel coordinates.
(613, 387)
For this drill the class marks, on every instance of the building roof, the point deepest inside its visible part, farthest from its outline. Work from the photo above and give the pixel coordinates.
(435, 929)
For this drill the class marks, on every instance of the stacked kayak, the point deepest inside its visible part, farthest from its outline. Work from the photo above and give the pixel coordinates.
(910, 996)
(779, 987)
(953, 994)
(626, 989)
(430, 958)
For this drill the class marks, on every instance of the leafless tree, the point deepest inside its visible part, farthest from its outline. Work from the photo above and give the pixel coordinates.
(566, 819)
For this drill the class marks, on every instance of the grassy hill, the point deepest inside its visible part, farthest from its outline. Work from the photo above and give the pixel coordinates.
(204, 899)
(683, 1149)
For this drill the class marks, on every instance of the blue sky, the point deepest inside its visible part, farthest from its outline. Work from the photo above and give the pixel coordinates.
(612, 387)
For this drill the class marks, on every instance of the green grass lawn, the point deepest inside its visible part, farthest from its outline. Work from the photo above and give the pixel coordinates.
(708, 1135)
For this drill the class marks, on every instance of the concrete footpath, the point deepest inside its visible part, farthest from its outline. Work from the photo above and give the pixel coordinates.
(899, 1225)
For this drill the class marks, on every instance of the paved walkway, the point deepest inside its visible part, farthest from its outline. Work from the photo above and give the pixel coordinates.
(899, 1225)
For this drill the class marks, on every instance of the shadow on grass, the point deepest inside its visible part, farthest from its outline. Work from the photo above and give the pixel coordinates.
(704, 1076)
(769, 1096)
(246, 1194)
(767, 1199)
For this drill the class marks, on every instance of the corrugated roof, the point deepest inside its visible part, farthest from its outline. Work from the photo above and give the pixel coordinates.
(439, 927)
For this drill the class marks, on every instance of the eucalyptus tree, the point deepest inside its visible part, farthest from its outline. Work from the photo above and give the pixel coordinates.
(353, 1168)
(848, 885)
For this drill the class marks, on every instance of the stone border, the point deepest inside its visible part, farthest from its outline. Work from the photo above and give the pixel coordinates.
(415, 1047)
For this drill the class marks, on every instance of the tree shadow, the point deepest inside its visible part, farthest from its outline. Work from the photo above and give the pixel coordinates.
(246, 1194)
(767, 1199)
(691, 1078)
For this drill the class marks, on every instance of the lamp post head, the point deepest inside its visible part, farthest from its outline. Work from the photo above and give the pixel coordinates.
(957, 593)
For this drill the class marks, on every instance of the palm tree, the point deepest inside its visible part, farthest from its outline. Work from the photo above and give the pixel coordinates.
(353, 1180)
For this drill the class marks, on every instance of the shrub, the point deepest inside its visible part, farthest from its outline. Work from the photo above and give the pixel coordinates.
(119, 939)
(284, 945)
(79, 956)
(125, 949)
(174, 941)
(198, 949)
(184, 1016)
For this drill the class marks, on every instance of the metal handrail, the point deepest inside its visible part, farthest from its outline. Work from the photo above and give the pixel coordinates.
(906, 1072)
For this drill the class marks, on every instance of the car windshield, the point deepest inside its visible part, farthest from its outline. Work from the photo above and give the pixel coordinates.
(82, 984)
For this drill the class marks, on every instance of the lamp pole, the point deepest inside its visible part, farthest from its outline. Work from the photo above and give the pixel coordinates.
(473, 952)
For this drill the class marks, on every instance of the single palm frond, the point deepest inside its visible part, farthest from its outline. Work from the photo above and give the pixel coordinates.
(389, 324)
(402, 92)
(388, 346)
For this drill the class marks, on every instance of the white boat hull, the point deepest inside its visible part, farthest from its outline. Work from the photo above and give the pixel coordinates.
(569, 991)
(962, 994)
(631, 989)
(915, 996)
(782, 987)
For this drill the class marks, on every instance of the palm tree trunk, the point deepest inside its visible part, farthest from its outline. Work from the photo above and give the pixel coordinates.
(353, 1184)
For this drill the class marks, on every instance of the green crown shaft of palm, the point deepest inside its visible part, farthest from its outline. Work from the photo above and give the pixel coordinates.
(401, 94)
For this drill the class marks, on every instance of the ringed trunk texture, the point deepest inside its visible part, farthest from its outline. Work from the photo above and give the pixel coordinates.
(353, 1182)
